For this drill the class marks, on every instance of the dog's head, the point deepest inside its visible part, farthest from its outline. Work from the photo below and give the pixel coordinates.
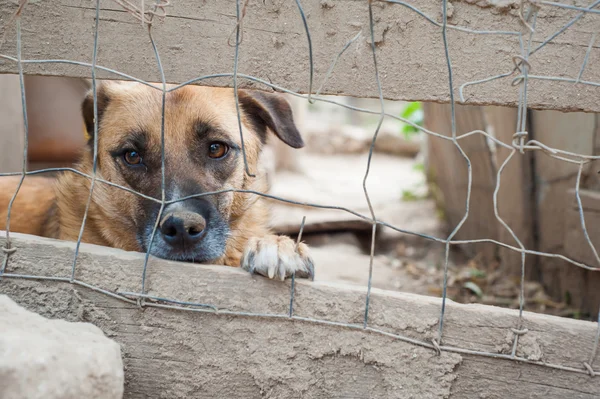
(202, 154)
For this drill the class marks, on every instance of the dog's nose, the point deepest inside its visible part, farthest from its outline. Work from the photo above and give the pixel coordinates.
(182, 228)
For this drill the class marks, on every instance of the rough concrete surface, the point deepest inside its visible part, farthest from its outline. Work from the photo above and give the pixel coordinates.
(194, 40)
(170, 353)
(55, 359)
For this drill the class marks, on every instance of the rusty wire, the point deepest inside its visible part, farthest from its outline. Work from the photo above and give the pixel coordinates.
(519, 144)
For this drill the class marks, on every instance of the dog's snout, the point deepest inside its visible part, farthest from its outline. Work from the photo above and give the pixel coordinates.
(182, 228)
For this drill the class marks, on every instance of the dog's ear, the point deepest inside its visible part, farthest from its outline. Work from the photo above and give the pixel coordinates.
(87, 108)
(270, 110)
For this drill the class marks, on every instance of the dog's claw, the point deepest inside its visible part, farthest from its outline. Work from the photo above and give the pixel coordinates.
(278, 256)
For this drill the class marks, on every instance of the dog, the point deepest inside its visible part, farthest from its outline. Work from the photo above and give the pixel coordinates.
(203, 167)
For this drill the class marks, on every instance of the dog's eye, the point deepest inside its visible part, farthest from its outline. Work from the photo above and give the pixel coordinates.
(217, 150)
(132, 158)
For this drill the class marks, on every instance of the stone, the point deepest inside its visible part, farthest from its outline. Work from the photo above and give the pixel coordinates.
(43, 358)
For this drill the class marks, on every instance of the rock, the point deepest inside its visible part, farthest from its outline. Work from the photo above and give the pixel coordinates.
(338, 139)
(348, 139)
(43, 358)
(394, 144)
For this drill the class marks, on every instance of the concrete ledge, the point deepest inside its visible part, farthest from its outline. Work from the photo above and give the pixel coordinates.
(178, 353)
(193, 41)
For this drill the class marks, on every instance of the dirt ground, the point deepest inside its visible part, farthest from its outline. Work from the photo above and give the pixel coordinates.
(331, 171)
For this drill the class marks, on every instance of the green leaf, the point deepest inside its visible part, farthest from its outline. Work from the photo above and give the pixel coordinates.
(476, 273)
(474, 288)
(408, 131)
(413, 112)
(408, 195)
(411, 109)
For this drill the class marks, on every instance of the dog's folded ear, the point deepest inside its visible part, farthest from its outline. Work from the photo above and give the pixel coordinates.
(272, 111)
(87, 108)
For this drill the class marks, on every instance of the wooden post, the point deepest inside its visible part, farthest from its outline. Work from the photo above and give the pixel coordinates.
(515, 194)
(448, 170)
(555, 181)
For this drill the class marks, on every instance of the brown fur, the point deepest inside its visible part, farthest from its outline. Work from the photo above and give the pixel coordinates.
(33, 205)
(56, 208)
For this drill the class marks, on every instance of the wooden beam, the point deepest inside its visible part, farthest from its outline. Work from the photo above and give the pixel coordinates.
(177, 353)
(193, 41)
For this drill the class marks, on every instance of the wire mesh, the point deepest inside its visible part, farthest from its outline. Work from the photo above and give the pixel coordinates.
(528, 15)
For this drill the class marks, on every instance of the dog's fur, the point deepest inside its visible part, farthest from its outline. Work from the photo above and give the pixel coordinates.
(130, 117)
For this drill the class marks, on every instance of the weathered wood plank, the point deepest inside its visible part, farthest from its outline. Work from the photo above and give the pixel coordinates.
(176, 354)
(448, 169)
(12, 127)
(573, 132)
(578, 248)
(193, 41)
(322, 182)
(516, 188)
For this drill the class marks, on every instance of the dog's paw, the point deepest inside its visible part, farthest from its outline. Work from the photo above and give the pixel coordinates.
(277, 256)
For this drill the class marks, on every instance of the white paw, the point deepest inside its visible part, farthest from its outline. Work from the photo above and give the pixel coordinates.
(277, 256)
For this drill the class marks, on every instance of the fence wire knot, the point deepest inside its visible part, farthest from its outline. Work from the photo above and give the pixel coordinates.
(519, 140)
(521, 60)
(239, 27)
(140, 302)
(517, 80)
(519, 332)
(589, 369)
(436, 347)
(533, 6)
(9, 251)
(141, 14)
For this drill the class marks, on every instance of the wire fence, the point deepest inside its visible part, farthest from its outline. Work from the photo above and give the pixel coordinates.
(519, 145)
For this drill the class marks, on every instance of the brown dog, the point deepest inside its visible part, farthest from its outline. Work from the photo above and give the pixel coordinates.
(202, 155)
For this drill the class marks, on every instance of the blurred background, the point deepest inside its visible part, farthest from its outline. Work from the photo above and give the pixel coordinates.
(416, 183)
